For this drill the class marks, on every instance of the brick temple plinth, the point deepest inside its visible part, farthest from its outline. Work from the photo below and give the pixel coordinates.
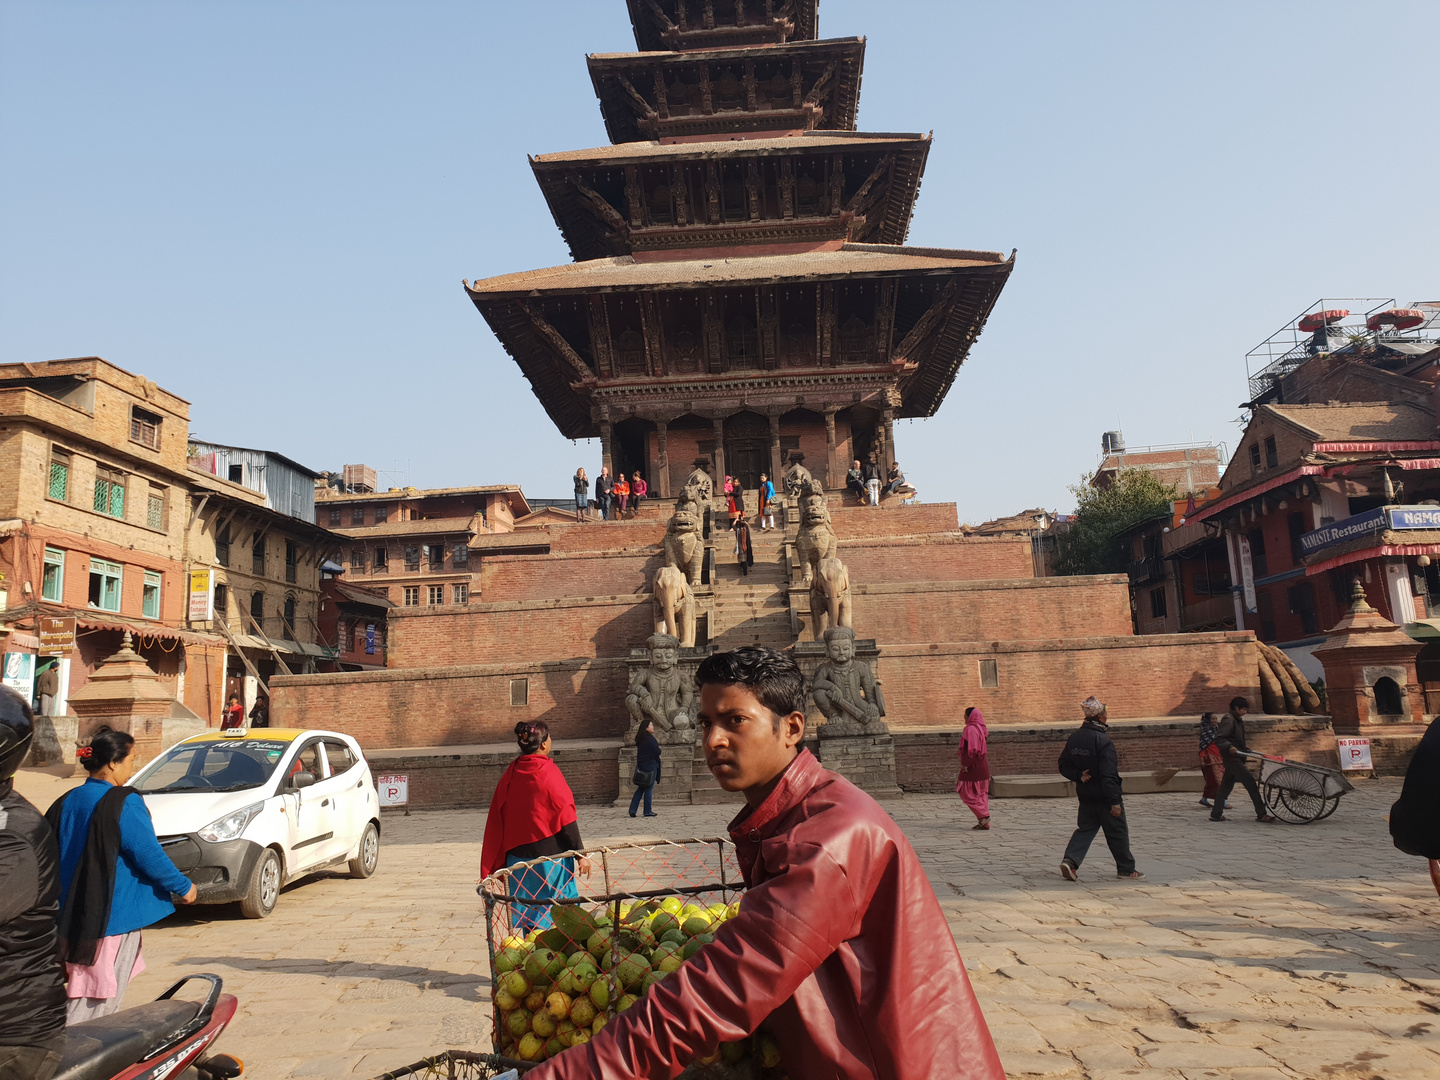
(124, 695)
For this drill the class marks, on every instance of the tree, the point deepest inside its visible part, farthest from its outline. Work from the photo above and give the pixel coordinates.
(1091, 544)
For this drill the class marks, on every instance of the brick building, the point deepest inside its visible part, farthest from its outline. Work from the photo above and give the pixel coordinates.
(353, 618)
(252, 528)
(94, 505)
(420, 548)
(1187, 467)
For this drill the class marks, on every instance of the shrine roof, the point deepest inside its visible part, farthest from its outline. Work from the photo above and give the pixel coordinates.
(725, 52)
(626, 272)
(809, 142)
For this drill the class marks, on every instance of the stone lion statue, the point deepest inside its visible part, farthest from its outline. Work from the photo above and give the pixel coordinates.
(684, 547)
(816, 539)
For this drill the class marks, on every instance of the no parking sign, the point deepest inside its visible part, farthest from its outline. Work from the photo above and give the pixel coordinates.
(394, 789)
(1354, 754)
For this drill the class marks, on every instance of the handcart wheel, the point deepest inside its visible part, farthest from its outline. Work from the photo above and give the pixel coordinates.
(1301, 794)
(1331, 802)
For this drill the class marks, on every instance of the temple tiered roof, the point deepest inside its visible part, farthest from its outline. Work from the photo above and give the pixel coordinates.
(645, 196)
(725, 93)
(706, 24)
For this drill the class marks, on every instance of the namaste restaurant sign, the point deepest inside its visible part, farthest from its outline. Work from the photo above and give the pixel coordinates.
(1371, 521)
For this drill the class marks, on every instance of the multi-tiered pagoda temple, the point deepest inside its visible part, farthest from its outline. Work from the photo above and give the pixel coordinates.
(742, 289)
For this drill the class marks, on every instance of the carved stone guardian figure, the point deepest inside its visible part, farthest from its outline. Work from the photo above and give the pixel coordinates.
(816, 540)
(846, 691)
(674, 605)
(661, 692)
(684, 548)
(830, 597)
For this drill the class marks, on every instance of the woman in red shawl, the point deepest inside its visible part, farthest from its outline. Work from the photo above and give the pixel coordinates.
(973, 786)
(532, 815)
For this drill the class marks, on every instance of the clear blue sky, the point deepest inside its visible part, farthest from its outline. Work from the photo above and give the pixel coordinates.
(268, 208)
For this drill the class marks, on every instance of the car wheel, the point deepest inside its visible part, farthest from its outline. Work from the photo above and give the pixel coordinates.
(264, 890)
(368, 857)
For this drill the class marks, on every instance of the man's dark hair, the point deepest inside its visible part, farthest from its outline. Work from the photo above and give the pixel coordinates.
(1238, 703)
(771, 676)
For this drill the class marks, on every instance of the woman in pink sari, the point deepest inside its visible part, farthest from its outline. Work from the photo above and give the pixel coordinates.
(973, 786)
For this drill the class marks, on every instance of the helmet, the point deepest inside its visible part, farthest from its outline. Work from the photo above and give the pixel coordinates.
(17, 727)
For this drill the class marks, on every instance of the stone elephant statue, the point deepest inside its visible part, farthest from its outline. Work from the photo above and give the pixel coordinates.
(684, 547)
(674, 605)
(816, 540)
(830, 598)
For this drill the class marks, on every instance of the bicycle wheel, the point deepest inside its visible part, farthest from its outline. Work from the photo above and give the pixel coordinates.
(1301, 794)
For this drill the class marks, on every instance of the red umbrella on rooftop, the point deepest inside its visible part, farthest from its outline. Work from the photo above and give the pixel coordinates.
(1401, 318)
(1310, 323)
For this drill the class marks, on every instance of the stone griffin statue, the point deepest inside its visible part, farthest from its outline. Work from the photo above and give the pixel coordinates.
(846, 691)
(684, 548)
(830, 597)
(816, 540)
(661, 692)
(798, 480)
(674, 605)
(698, 485)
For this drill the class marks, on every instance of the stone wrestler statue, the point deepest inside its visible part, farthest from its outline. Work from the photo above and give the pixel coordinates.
(846, 691)
(661, 693)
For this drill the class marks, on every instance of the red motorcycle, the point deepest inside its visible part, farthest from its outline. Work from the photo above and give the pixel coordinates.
(155, 1041)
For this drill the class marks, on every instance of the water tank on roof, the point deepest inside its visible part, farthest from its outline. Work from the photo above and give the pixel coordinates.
(360, 478)
(1112, 442)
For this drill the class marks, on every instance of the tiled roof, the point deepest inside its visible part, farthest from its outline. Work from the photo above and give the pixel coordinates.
(624, 271)
(1370, 422)
(416, 493)
(815, 142)
(419, 527)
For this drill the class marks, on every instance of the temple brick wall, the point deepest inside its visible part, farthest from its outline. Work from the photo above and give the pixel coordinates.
(516, 630)
(1156, 675)
(578, 574)
(852, 522)
(459, 705)
(646, 531)
(1075, 607)
(923, 560)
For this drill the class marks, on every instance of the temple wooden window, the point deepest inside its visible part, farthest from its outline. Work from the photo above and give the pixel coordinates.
(257, 557)
(257, 608)
(357, 515)
(989, 673)
(357, 560)
(742, 342)
(436, 594)
(222, 546)
(855, 341)
(334, 515)
(807, 196)
(1272, 456)
(412, 559)
(382, 515)
(661, 210)
(290, 615)
(1158, 607)
(155, 508)
(292, 560)
(460, 555)
(630, 353)
(412, 595)
(1256, 467)
(728, 91)
(381, 565)
(460, 594)
(222, 601)
(435, 556)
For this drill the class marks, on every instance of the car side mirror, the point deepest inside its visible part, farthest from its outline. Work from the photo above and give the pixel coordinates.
(302, 780)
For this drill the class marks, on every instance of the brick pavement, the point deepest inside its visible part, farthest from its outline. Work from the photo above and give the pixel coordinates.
(1250, 952)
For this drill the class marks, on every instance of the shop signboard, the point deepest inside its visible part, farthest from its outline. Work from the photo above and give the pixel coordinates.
(1414, 517)
(19, 674)
(1247, 573)
(369, 639)
(57, 635)
(202, 596)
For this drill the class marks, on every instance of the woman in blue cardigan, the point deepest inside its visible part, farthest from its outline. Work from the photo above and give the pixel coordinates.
(115, 879)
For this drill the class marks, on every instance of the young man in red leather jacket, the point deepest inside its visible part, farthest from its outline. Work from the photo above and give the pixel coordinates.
(840, 943)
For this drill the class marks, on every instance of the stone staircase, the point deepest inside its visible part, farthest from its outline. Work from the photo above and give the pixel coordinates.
(751, 609)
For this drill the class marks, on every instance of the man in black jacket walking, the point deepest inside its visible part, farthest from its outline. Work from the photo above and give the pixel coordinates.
(1230, 738)
(32, 979)
(1090, 763)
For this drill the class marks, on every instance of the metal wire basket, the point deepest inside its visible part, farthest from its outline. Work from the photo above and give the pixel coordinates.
(458, 1065)
(575, 939)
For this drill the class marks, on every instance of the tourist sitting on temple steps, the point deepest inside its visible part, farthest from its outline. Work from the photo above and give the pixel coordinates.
(840, 946)
(855, 481)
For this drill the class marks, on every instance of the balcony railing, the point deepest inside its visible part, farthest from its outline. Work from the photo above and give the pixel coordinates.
(1211, 611)
(1146, 571)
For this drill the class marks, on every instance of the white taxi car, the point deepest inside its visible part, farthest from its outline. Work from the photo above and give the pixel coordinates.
(243, 812)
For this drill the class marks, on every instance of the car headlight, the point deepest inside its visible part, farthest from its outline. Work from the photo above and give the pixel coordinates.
(231, 825)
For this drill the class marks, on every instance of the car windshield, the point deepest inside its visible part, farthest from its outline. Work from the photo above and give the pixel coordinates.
(232, 765)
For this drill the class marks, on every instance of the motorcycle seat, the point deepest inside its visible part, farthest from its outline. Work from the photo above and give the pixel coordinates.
(103, 1048)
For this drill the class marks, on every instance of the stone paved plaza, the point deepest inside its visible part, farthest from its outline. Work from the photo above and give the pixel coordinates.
(1250, 952)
